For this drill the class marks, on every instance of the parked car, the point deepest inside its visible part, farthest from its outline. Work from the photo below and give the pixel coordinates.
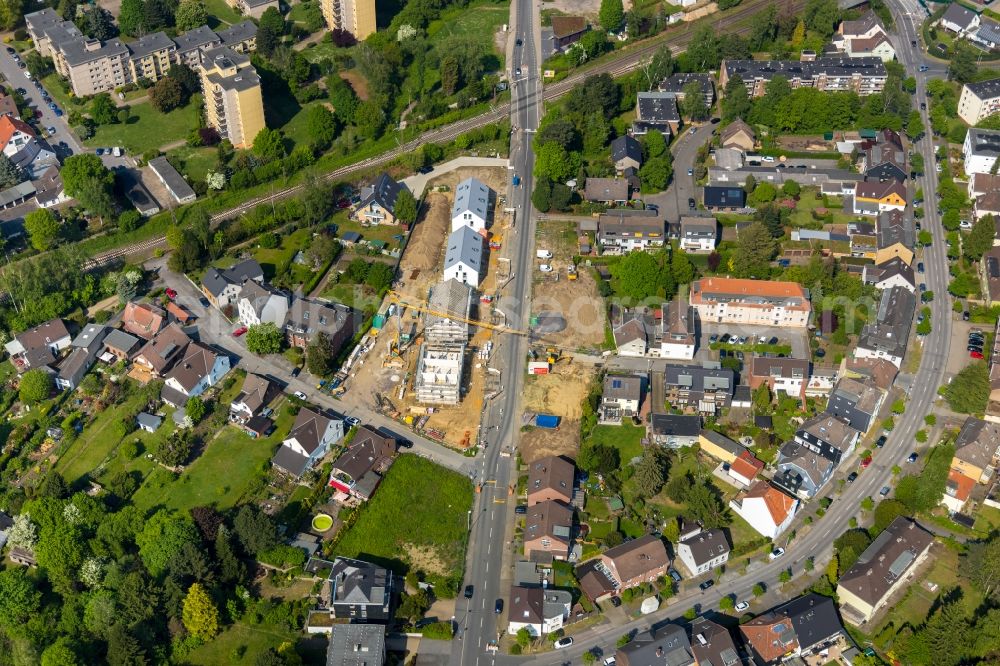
(545, 268)
(498, 606)
(707, 584)
(852, 477)
(693, 130)
(741, 606)
(714, 337)
(924, 68)
(10, 49)
(674, 575)
(296, 371)
(690, 172)
(240, 331)
(976, 355)
(616, 602)
(171, 293)
(880, 442)
(204, 302)
(609, 661)
(425, 169)
(564, 642)
(469, 591)
(776, 553)
(975, 348)
(520, 509)
(773, 341)
(691, 203)
(352, 421)
(885, 491)
(965, 316)
(725, 338)
(912, 457)
(300, 395)
(920, 267)
(865, 462)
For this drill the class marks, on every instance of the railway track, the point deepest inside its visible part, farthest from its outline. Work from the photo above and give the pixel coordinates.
(628, 61)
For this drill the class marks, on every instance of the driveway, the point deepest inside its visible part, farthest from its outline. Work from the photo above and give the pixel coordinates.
(216, 331)
(674, 201)
(33, 95)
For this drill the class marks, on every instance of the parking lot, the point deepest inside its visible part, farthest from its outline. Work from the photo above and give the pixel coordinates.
(958, 354)
(797, 338)
(62, 139)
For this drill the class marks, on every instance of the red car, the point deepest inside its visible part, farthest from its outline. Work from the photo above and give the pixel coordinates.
(975, 354)
(171, 293)
(867, 461)
(240, 331)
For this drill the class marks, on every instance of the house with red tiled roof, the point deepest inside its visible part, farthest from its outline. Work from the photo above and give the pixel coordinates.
(767, 509)
(14, 135)
(745, 468)
(143, 319)
(24, 148)
(761, 302)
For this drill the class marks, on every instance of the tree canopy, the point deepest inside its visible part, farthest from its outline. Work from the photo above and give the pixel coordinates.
(969, 390)
(42, 227)
(264, 338)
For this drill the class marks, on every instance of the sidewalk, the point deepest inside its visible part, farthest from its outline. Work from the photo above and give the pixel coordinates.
(417, 182)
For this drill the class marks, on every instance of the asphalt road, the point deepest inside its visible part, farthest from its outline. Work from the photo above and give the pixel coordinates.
(478, 624)
(817, 542)
(674, 201)
(16, 78)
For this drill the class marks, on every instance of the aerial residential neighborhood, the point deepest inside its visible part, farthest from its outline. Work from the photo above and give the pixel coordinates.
(500, 332)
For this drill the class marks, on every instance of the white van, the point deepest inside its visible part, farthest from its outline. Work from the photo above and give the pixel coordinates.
(543, 254)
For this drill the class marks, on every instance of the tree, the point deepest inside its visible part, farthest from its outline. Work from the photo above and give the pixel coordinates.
(86, 179)
(124, 649)
(660, 66)
(10, 174)
(981, 565)
(167, 95)
(785, 575)
(980, 239)
(821, 16)
(651, 471)
(449, 74)
(195, 409)
(269, 145)
(255, 530)
(763, 193)
(264, 338)
(638, 275)
(962, 67)
(681, 268)
(157, 14)
(380, 276)
(11, 13)
(190, 14)
(322, 126)
(611, 15)
(914, 125)
(758, 590)
(320, 355)
(969, 390)
(799, 34)
(886, 512)
(36, 385)
(201, 617)
(162, 538)
(523, 637)
(755, 248)
(406, 206)
(131, 18)
(60, 653)
(791, 188)
(185, 76)
(589, 658)
(726, 603)
(653, 144)
(599, 458)
(735, 102)
(19, 599)
(656, 172)
(269, 31)
(23, 533)
(554, 163)
(42, 228)
(103, 110)
(693, 105)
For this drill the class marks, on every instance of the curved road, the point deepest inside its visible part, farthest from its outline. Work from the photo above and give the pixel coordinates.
(818, 541)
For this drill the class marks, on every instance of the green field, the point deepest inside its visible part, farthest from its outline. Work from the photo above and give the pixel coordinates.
(419, 506)
(223, 12)
(254, 639)
(479, 20)
(147, 128)
(194, 163)
(626, 438)
(96, 441)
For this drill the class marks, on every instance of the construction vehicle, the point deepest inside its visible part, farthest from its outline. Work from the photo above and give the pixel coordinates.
(496, 242)
(571, 272)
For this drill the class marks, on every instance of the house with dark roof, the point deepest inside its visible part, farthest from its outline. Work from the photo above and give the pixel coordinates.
(359, 470)
(693, 387)
(356, 644)
(674, 430)
(704, 551)
(874, 197)
(91, 337)
(656, 111)
(883, 569)
(355, 590)
(677, 82)
(712, 644)
(989, 274)
(261, 304)
(633, 331)
(667, 645)
(38, 346)
(71, 369)
(378, 201)
(255, 395)
(551, 478)
(886, 336)
(548, 530)
(620, 398)
(977, 456)
(310, 438)
(894, 272)
(802, 472)
(306, 319)
(567, 30)
(787, 375)
(724, 197)
(172, 180)
(539, 610)
(987, 34)
(864, 76)
(198, 369)
(222, 287)
(626, 152)
(855, 401)
(959, 19)
(159, 354)
(883, 162)
(622, 231)
(678, 330)
(894, 227)
(119, 345)
(980, 151)
(634, 562)
(611, 191)
(801, 627)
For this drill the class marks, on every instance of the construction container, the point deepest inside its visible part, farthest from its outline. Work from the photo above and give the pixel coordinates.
(539, 368)
(378, 322)
(547, 421)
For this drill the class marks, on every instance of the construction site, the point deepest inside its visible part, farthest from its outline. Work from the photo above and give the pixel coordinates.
(426, 360)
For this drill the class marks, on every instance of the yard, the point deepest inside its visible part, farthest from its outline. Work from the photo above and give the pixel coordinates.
(223, 12)
(480, 21)
(802, 217)
(417, 520)
(236, 639)
(148, 129)
(626, 438)
(194, 163)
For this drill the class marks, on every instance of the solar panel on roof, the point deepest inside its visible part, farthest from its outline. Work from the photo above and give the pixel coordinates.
(616, 383)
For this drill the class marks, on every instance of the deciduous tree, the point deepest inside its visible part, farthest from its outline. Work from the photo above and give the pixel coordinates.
(969, 390)
(42, 227)
(167, 95)
(611, 15)
(131, 18)
(36, 385)
(87, 180)
(190, 14)
(322, 126)
(406, 206)
(162, 538)
(264, 338)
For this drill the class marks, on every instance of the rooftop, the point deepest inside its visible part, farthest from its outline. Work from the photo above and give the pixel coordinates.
(886, 560)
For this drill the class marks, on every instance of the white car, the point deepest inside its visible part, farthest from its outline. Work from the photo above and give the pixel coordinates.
(300, 395)
(767, 158)
(776, 553)
(27, 74)
(610, 661)
(742, 606)
(545, 268)
(563, 642)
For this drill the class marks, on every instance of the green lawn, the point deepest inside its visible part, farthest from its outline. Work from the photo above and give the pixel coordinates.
(220, 10)
(626, 438)
(147, 128)
(253, 639)
(479, 21)
(53, 85)
(194, 163)
(421, 506)
(351, 295)
(802, 216)
(96, 441)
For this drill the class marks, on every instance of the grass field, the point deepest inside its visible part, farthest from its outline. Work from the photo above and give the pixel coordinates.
(802, 216)
(419, 509)
(96, 441)
(223, 12)
(479, 21)
(626, 438)
(254, 640)
(193, 162)
(350, 295)
(147, 128)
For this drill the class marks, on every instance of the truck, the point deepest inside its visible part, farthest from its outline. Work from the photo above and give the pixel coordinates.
(538, 368)
(543, 254)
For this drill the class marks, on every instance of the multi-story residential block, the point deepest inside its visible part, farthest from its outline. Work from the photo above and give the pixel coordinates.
(706, 389)
(761, 302)
(231, 89)
(261, 304)
(865, 76)
(621, 231)
(307, 318)
(886, 336)
(977, 456)
(699, 234)
(806, 463)
(882, 570)
(980, 151)
(979, 100)
(241, 37)
(354, 16)
(151, 56)
(656, 111)
(675, 84)
(191, 45)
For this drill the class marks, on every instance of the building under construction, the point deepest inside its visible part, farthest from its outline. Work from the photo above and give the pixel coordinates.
(438, 379)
